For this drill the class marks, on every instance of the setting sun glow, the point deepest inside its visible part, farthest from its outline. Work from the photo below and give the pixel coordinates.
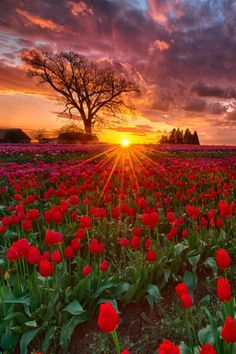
(125, 143)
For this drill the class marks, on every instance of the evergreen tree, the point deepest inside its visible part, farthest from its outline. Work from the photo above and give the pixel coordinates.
(179, 137)
(164, 140)
(172, 137)
(187, 137)
(195, 139)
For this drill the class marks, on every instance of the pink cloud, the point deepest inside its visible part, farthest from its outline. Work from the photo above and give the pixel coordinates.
(41, 22)
(161, 45)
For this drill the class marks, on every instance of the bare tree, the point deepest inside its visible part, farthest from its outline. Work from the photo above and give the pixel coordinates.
(40, 134)
(84, 87)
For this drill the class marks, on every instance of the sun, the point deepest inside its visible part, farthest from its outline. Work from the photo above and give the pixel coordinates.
(125, 143)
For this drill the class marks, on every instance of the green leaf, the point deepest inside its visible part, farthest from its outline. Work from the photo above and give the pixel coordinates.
(211, 263)
(153, 297)
(12, 300)
(104, 287)
(166, 274)
(26, 339)
(130, 293)
(193, 260)
(179, 248)
(47, 338)
(205, 335)
(74, 308)
(9, 340)
(150, 301)
(184, 349)
(205, 301)
(190, 279)
(68, 329)
(19, 315)
(31, 323)
(120, 289)
(154, 292)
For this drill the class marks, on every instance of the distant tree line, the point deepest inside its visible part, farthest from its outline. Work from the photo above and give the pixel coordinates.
(177, 136)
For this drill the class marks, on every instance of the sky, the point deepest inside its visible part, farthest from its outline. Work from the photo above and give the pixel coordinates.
(182, 53)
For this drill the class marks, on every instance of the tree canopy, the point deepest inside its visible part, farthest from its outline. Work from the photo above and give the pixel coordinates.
(177, 136)
(97, 95)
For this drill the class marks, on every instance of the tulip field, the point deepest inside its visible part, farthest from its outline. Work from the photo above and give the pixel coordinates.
(98, 242)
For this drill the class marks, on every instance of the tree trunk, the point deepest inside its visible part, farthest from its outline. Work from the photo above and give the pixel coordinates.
(88, 127)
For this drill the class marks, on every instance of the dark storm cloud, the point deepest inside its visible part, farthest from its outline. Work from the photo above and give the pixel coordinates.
(196, 105)
(214, 91)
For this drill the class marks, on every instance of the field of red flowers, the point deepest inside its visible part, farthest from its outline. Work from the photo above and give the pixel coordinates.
(87, 233)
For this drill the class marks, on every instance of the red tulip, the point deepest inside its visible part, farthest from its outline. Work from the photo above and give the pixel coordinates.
(108, 318)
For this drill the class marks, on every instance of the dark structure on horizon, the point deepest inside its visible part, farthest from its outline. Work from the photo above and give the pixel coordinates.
(76, 137)
(14, 136)
(177, 136)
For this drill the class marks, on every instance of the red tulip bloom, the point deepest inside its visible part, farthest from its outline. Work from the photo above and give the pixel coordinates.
(228, 332)
(115, 213)
(186, 300)
(45, 268)
(95, 246)
(56, 256)
(12, 254)
(207, 349)
(170, 217)
(148, 243)
(33, 255)
(69, 252)
(181, 289)
(74, 200)
(33, 214)
(151, 256)
(223, 289)
(87, 270)
(46, 255)
(27, 225)
(53, 238)
(224, 208)
(57, 217)
(75, 244)
(137, 231)
(167, 347)
(85, 222)
(123, 242)
(222, 259)
(23, 246)
(104, 265)
(125, 351)
(135, 242)
(80, 234)
(108, 318)
(185, 233)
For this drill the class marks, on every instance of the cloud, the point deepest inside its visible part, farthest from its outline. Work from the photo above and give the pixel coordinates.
(214, 91)
(139, 129)
(231, 116)
(161, 45)
(196, 105)
(80, 8)
(14, 79)
(41, 22)
(181, 52)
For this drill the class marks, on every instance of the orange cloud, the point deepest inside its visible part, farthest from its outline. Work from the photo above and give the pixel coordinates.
(41, 22)
(80, 8)
(161, 45)
(14, 79)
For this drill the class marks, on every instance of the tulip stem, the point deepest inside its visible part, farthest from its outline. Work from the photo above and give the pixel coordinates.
(116, 341)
